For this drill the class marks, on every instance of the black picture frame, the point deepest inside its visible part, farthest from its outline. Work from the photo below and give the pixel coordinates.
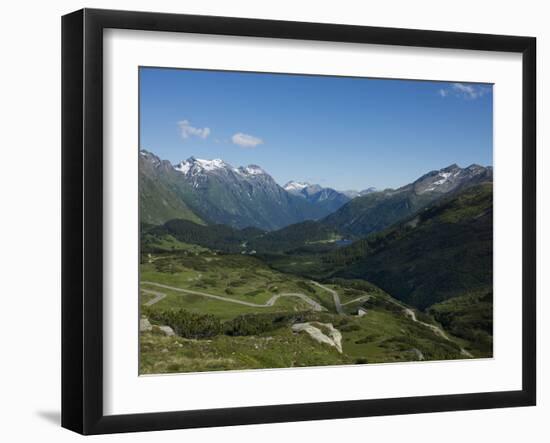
(82, 218)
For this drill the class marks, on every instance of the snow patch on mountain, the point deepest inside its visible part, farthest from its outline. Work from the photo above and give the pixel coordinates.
(211, 165)
(444, 177)
(250, 170)
(183, 167)
(295, 186)
(450, 178)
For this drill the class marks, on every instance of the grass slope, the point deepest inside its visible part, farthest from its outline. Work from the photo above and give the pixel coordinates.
(161, 194)
(158, 203)
(245, 337)
(469, 316)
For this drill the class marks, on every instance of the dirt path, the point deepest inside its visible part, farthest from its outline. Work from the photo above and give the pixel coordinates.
(436, 329)
(362, 298)
(314, 305)
(158, 297)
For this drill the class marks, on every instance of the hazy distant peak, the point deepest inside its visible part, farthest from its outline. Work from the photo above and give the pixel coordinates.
(368, 190)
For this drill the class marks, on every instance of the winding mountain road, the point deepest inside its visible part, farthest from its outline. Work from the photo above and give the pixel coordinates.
(436, 329)
(335, 296)
(158, 297)
(314, 304)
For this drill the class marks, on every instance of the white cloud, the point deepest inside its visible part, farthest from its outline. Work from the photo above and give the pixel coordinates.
(466, 91)
(188, 131)
(469, 91)
(245, 140)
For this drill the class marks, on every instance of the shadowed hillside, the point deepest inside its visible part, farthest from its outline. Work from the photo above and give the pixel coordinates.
(440, 253)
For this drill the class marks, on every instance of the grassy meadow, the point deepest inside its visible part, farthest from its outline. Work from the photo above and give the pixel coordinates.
(234, 312)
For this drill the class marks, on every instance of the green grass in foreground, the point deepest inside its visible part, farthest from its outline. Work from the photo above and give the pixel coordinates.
(282, 349)
(384, 335)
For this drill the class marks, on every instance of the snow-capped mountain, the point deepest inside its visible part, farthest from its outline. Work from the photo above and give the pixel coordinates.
(240, 196)
(198, 166)
(199, 172)
(194, 166)
(216, 192)
(258, 184)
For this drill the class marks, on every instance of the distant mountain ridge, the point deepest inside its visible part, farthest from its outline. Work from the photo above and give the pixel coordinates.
(215, 192)
(353, 194)
(218, 193)
(308, 190)
(375, 211)
(327, 198)
(452, 178)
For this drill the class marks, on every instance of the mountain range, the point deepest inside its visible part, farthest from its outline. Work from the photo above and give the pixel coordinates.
(215, 192)
(376, 211)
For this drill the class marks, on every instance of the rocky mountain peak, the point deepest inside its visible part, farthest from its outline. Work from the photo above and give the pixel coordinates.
(450, 178)
(451, 168)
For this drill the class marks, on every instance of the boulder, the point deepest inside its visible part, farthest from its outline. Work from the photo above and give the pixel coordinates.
(145, 325)
(168, 331)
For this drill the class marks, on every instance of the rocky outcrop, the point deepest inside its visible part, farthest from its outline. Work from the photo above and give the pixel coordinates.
(321, 332)
(146, 326)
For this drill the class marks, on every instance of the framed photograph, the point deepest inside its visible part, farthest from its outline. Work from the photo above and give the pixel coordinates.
(269, 221)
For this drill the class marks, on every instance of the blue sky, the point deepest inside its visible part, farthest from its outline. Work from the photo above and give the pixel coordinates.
(345, 133)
